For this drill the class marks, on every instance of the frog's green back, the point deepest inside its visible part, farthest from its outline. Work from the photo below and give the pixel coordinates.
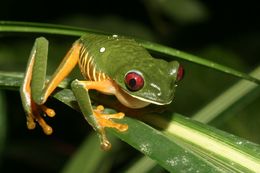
(115, 56)
(110, 53)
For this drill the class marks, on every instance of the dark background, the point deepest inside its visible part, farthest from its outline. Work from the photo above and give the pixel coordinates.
(220, 21)
(223, 31)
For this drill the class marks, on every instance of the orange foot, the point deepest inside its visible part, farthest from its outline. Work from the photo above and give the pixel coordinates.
(36, 116)
(105, 120)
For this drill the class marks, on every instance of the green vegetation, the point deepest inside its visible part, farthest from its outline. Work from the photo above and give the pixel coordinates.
(211, 126)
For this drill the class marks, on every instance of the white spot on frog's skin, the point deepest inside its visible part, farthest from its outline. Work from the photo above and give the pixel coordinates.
(173, 71)
(155, 86)
(115, 36)
(102, 49)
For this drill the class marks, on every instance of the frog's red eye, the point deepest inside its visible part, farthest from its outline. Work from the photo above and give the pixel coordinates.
(134, 81)
(180, 73)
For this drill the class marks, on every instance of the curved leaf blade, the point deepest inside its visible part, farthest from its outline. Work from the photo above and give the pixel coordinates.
(183, 144)
(229, 151)
(157, 146)
(227, 99)
(31, 27)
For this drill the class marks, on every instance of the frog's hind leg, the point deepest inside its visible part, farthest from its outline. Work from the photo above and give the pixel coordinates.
(34, 90)
(96, 117)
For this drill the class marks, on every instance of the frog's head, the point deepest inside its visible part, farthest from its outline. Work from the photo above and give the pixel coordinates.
(150, 81)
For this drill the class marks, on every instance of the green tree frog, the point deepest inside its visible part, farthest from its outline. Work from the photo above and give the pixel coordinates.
(112, 65)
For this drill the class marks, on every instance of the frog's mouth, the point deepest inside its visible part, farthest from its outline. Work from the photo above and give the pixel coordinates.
(151, 101)
(135, 102)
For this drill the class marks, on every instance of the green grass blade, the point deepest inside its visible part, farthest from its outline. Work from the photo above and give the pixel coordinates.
(8, 26)
(143, 165)
(223, 102)
(191, 146)
(30, 27)
(228, 151)
(152, 143)
(13, 80)
(10, 80)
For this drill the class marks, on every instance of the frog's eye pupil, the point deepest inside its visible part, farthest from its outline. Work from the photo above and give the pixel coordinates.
(180, 73)
(134, 81)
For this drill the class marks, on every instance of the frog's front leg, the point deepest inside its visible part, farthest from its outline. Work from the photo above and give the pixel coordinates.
(34, 90)
(96, 117)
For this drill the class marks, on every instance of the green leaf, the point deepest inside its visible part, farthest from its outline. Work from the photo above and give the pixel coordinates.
(10, 26)
(159, 147)
(225, 151)
(191, 146)
(145, 164)
(231, 96)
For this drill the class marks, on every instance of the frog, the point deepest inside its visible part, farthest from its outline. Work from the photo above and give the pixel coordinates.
(110, 64)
